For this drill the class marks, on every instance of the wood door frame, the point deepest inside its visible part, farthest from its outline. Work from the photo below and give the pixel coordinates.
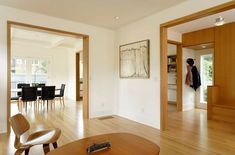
(179, 86)
(85, 38)
(77, 76)
(163, 53)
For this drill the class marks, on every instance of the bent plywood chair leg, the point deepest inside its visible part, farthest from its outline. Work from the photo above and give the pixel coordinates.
(19, 152)
(46, 148)
(55, 145)
(18, 104)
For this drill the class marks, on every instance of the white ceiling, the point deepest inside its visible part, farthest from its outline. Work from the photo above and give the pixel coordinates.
(205, 22)
(43, 39)
(94, 12)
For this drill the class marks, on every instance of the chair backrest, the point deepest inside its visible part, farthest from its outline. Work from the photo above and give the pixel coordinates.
(19, 124)
(39, 85)
(62, 89)
(21, 85)
(29, 93)
(48, 93)
(34, 84)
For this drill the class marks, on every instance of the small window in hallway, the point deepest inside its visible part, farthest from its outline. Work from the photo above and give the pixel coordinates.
(206, 69)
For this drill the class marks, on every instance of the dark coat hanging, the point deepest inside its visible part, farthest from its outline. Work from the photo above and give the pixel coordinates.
(196, 78)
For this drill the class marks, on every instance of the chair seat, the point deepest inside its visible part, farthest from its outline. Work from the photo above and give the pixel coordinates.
(43, 137)
(58, 95)
(14, 98)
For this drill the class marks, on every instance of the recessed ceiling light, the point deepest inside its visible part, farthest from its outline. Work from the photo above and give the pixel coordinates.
(203, 46)
(116, 17)
(219, 21)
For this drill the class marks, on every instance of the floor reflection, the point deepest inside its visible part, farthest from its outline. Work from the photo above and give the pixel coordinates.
(66, 117)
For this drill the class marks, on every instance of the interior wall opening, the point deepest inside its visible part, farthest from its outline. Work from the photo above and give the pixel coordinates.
(198, 29)
(43, 57)
(195, 97)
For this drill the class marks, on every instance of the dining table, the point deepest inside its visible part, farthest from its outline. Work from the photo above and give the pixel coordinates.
(20, 89)
(121, 144)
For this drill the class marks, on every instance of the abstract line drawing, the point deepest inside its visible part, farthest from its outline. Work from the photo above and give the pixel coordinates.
(134, 60)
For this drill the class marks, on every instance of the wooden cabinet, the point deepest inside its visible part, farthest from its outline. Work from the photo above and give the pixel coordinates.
(198, 37)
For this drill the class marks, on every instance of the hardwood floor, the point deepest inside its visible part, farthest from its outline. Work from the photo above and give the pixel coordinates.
(172, 107)
(189, 132)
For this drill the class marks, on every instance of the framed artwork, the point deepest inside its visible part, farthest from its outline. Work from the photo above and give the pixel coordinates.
(134, 60)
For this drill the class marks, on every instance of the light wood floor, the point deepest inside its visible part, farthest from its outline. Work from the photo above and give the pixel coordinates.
(189, 132)
(172, 107)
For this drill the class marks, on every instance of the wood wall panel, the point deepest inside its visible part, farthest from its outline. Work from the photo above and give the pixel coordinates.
(225, 114)
(224, 58)
(179, 80)
(198, 37)
(215, 108)
(163, 79)
(221, 96)
(85, 77)
(77, 76)
(221, 99)
(212, 99)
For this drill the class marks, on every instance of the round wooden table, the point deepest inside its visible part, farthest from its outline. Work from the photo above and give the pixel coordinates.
(122, 144)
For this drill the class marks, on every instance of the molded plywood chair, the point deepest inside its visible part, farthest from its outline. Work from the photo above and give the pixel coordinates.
(20, 125)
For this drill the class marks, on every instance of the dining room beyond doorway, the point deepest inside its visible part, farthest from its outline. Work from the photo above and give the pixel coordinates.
(42, 69)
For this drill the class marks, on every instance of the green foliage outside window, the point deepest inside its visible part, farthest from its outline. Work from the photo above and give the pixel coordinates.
(208, 74)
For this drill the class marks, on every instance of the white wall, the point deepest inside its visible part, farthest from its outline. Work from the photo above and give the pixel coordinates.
(188, 92)
(102, 59)
(71, 58)
(139, 99)
(171, 49)
(174, 36)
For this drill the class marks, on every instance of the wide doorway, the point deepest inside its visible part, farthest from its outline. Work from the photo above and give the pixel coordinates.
(45, 59)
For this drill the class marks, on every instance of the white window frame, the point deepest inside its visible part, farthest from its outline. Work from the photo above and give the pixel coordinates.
(29, 66)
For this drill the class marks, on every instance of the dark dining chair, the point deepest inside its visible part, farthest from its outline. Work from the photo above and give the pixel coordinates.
(21, 85)
(16, 98)
(48, 94)
(29, 94)
(39, 85)
(61, 94)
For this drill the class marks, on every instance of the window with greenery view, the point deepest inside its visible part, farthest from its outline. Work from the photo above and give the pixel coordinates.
(29, 70)
(206, 69)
